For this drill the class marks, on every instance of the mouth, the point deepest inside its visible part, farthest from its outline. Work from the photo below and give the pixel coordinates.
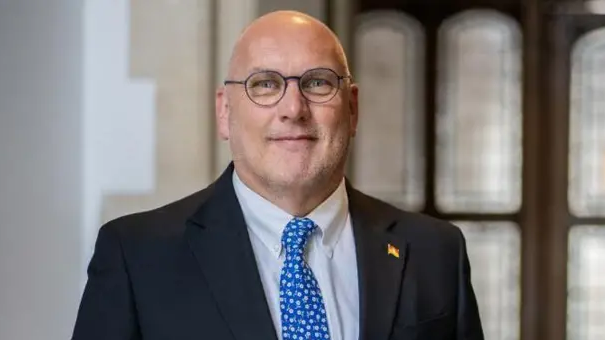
(293, 138)
(293, 143)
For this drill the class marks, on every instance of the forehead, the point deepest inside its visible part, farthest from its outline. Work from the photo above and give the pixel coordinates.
(290, 53)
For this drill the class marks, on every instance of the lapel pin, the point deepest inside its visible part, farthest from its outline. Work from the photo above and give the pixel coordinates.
(392, 250)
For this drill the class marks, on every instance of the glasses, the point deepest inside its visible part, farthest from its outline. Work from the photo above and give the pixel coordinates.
(266, 88)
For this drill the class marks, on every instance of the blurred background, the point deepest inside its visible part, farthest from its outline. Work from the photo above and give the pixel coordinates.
(486, 113)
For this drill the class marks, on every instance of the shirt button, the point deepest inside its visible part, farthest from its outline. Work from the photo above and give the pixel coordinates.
(276, 249)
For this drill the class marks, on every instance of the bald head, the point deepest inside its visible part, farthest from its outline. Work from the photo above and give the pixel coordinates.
(276, 34)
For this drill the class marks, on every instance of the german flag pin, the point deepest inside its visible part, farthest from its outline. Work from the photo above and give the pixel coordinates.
(392, 250)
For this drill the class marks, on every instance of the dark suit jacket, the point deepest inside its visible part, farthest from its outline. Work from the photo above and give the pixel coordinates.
(186, 271)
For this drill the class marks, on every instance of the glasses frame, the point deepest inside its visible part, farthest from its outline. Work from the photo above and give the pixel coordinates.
(286, 79)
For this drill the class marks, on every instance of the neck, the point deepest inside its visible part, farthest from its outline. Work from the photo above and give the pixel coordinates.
(301, 201)
(297, 200)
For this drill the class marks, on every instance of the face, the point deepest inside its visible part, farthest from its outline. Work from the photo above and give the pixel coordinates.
(294, 142)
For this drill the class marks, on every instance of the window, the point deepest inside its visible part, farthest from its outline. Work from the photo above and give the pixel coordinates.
(586, 189)
(388, 159)
(479, 114)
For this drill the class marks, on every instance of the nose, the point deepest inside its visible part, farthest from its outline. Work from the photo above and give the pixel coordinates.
(294, 105)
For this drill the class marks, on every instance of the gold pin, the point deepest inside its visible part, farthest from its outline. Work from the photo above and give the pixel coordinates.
(392, 250)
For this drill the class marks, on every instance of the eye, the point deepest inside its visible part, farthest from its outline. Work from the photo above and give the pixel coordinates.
(317, 83)
(265, 84)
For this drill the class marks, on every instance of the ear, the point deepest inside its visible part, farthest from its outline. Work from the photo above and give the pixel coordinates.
(222, 113)
(354, 108)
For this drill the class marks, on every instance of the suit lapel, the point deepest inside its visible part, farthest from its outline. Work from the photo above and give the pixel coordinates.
(381, 258)
(218, 237)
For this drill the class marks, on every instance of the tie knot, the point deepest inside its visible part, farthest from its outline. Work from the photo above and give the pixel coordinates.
(297, 233)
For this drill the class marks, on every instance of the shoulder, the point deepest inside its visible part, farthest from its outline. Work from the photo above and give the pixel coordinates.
(417, 228)
(162, 222)
(430, 242)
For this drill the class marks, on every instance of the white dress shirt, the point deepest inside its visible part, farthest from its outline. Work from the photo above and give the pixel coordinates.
(330, 254)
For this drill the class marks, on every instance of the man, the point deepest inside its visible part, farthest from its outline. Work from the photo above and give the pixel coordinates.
(281, 246)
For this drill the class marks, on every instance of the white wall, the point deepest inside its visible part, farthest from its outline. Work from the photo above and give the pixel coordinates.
(40, 167)
(118, 119)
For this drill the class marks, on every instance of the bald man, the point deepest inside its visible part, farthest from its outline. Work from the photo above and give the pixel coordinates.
(281, 246)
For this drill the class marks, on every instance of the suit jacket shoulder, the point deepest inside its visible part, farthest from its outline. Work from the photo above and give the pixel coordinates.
(418, 228)
(165, 221)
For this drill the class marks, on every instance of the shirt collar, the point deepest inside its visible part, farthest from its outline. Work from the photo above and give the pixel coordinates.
(267, 221)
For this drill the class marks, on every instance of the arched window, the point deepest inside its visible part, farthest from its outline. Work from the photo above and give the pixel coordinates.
(586, 190)
(388, 150)
(479, 114)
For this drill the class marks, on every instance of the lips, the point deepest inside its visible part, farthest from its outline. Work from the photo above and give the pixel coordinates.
(293, 138)
(296, 143)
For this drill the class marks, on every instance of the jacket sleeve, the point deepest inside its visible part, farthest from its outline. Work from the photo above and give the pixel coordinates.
(469, 321)
(107, 309)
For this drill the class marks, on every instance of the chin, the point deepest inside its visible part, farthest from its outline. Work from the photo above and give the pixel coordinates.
(290, 174)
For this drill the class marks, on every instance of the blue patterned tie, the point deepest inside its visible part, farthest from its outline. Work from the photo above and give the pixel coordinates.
(303, 314)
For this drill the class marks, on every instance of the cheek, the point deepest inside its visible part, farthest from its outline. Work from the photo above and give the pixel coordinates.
(336, 127)
(247, 132)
